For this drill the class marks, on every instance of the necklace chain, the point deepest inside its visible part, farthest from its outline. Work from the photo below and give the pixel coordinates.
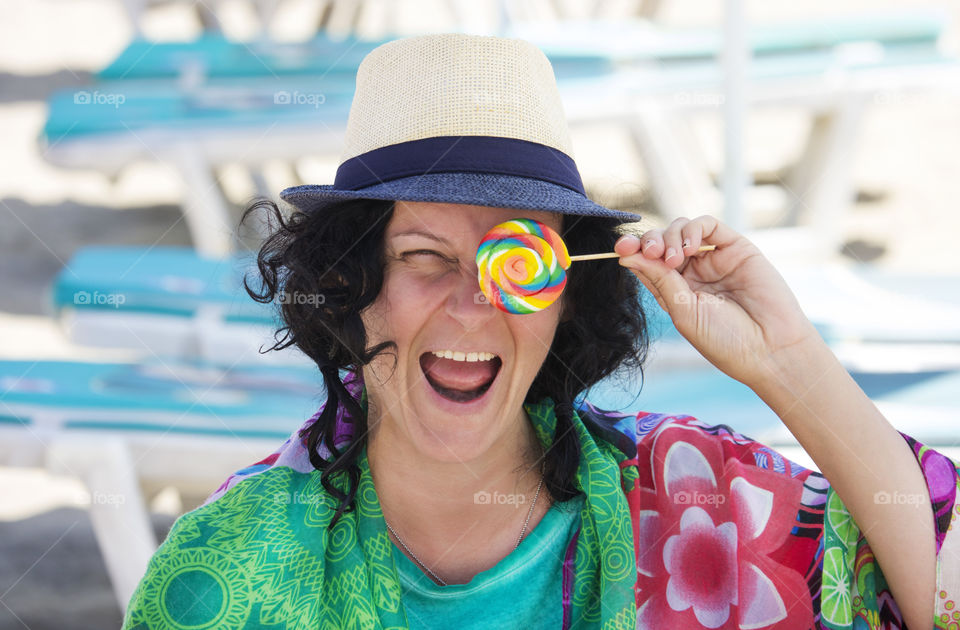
(436, 577)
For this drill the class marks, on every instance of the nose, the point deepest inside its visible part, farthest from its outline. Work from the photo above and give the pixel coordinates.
(467, 304)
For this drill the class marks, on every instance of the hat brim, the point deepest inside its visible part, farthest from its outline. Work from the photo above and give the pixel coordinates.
(480, 189)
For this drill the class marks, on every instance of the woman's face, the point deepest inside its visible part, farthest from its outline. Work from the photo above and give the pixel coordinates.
(450, 409)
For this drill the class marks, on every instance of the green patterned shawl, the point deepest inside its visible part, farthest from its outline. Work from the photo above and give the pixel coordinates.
(261, 555)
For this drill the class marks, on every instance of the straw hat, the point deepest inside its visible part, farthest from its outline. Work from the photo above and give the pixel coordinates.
(457, 118)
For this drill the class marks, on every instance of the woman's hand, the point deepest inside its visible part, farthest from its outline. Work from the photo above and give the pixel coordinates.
(730, 303)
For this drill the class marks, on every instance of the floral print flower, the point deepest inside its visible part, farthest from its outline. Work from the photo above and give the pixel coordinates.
(713, 538)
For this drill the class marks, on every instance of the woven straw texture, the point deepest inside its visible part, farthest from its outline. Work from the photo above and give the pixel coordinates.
(455, 85)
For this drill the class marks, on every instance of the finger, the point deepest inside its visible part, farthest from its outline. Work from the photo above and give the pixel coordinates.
(632, 267)
(667, 285)
(715, 232)
(652, 243)
(649, 286)
(692, 236)
(673, 254)
(628, 245)
(652, 289)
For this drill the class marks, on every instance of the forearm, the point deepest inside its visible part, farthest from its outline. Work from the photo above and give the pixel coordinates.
(861, 454)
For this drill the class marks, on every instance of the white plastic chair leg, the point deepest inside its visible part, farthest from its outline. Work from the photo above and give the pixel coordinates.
(820, 184)
(679, 188)
(120, 517)
(204, 207)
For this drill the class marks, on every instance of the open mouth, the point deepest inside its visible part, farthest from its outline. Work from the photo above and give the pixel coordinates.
(458, 379)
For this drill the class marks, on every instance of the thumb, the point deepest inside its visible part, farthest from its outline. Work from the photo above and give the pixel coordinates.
(667, 286)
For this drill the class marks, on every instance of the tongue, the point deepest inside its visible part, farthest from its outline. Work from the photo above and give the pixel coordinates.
(459, 375)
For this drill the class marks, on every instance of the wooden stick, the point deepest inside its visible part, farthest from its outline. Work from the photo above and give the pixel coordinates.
(703, 248)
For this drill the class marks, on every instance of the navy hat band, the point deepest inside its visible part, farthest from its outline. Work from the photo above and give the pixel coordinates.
(459, 154)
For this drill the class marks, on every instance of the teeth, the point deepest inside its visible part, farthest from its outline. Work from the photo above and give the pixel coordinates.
(464, 356)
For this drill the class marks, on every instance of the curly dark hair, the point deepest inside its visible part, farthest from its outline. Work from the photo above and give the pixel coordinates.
(339, 253)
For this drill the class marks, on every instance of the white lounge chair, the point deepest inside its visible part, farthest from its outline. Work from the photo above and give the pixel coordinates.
(120, 428)
(208, 122)
(168, 302)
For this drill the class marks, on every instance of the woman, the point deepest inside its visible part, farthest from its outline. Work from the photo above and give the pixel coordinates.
(454, 479)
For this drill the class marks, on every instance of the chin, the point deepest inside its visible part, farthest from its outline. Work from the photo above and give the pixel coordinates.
(450, 431)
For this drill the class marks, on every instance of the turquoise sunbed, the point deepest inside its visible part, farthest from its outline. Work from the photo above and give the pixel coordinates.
(323, 65)
(168, 302)
(635, 41)
(158, 280)
(181, 295)
(923, 404)
(323, 102)
(216, 56)
(192, 398)
(224, 106)
(587, 45)
(120, 427)
(122, 108)
(212, 56)
(175, 302)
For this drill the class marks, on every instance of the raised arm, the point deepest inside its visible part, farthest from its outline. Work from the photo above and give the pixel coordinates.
(733, 306)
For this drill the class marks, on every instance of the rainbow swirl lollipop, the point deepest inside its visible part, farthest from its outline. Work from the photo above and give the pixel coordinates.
(522, 266)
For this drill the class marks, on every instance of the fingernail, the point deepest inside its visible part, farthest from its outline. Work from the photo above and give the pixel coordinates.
(671, 252)
(649, 243)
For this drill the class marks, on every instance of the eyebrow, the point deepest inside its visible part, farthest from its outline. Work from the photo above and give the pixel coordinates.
(432, 237)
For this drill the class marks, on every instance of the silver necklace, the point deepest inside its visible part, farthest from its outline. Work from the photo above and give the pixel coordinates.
(436, 577)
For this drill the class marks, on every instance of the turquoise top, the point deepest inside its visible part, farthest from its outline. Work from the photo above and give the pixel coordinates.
(523, 590)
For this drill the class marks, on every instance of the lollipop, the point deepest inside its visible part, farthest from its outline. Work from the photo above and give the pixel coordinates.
(522, 265)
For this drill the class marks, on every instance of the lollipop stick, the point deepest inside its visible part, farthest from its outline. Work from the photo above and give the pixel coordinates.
(703, 248)
(595, 256)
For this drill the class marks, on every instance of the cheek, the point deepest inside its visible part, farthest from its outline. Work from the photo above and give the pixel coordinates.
(535, 332)
(404, 303)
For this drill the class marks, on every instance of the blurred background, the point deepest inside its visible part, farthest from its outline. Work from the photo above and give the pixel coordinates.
(134, 132)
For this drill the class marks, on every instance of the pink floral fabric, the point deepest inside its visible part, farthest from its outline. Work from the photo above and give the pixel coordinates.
(730, 534)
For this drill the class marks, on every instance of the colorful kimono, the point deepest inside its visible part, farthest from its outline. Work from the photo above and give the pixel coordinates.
(730, 534)
(684, 525)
